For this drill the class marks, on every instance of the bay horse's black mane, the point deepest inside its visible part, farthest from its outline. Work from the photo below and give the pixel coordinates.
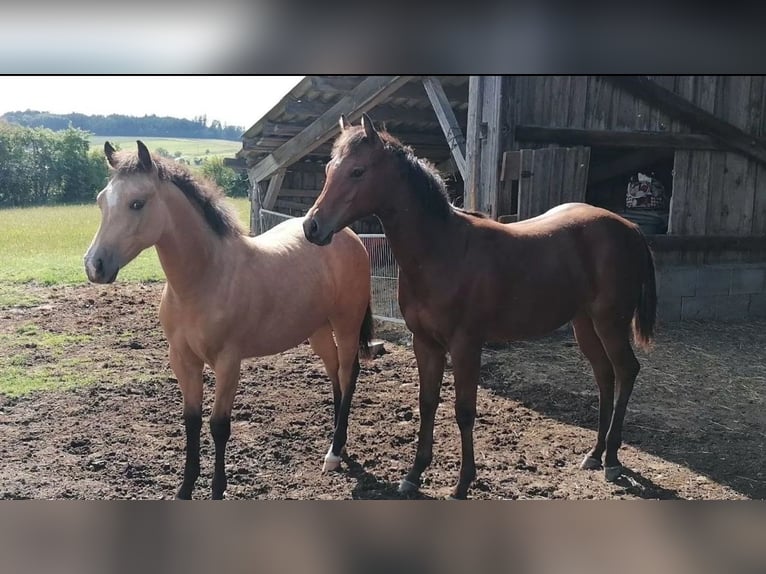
(422, 175)
(203, 193)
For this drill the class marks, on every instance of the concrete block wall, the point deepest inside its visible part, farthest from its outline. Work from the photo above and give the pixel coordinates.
(724, 292)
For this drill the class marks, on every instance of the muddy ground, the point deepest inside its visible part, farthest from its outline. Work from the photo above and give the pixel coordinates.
(695, 428)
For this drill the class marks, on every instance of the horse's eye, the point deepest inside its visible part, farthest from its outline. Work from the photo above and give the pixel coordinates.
(357, 172)
(137, 204)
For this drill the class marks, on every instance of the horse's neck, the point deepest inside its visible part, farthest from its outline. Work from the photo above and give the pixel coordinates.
(418, 239)
(188, 250)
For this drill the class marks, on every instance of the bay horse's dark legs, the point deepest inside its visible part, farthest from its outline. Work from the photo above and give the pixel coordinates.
(188, 370)
(616, 341)
(430, 358)
(193, 424)
(591, 347)
(226, 380)
(220, 429)
(466, 363)
(342, 411)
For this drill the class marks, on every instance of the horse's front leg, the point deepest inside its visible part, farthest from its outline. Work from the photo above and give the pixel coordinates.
(466, 363)
(187, 368)
(226, 380)
(430, 357)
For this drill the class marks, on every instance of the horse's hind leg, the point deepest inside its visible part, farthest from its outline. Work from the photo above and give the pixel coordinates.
(603, 372)
(188, 370)
(615, 337)
(323, 344)
(348, 371)
(226, 380)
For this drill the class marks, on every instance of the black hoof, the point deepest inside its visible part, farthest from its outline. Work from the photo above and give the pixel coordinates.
(612, 473)
(590, 463)
(407, 487)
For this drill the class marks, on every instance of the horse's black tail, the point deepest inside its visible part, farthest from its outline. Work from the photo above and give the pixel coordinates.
(646, 311)
(366, 332)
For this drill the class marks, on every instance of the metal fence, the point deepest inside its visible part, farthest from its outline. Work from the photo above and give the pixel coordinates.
(383, 268)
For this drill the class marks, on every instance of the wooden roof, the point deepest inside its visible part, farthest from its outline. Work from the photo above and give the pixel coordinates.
(312, 108)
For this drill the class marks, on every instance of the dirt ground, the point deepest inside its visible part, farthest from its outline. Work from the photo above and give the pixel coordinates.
(695, 427)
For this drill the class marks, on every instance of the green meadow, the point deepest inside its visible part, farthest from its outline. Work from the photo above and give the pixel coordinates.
(40, 248)
(45, 245)
(186, 148)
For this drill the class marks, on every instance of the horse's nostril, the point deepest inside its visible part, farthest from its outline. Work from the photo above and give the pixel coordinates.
(313, 227)
(99, 266)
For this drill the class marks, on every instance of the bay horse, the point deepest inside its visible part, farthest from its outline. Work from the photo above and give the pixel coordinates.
(229, 296)
(466, 279)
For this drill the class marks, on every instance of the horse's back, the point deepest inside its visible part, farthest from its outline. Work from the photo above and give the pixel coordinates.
(285, 249)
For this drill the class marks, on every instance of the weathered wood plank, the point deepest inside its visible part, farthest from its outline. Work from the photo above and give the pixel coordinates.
(582, 170)
(473, 143)
(557, 158)
(542, 181)
(759, 201)
(737, 204)
(275, 184)
(564, 95)
(509, 177)
(365, 96)
(679, 243)
(578, 101)
(699, 188)
(447, 121)
(617, 139)
(526, 183)
(716, 192)
(491, 150)
(678, 202)
(699, 119)
(295, 192)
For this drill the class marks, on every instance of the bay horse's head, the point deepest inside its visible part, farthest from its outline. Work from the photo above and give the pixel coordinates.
(132, 217)
(356, 176)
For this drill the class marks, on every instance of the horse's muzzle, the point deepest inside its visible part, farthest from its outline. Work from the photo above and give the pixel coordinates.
(99, 270)
(314, 233)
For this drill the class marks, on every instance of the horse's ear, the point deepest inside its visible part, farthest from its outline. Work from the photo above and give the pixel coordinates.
(344, 125)
(144, 157)
(369, 129)
(109, 152)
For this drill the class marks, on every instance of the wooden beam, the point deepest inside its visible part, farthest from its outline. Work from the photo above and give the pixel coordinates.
(473, 144)
(694, 116)
(447, 121)
(235, 163)
(256, 193)
(616, 139)
(485, 98)
(382, 113)
(275, 184)
(663, 243)
(364, 97)
(457, 95)
(335, 84)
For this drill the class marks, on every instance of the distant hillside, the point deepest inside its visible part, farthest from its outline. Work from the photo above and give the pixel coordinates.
(120, 125)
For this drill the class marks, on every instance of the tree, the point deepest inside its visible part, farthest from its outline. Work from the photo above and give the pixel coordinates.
(232, 183)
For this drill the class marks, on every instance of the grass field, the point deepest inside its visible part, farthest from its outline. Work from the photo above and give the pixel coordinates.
(46, 244)
(188, 148)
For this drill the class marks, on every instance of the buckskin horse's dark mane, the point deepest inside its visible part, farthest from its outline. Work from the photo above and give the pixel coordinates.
(421, 174)
(203, 193)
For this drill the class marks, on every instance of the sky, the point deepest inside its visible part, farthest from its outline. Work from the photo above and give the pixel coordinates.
(232, 100)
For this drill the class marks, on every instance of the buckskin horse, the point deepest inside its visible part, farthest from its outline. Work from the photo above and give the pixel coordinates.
(466, 279)
(229, 296)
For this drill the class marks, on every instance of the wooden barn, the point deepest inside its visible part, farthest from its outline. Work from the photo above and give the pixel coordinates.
(682, 156)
